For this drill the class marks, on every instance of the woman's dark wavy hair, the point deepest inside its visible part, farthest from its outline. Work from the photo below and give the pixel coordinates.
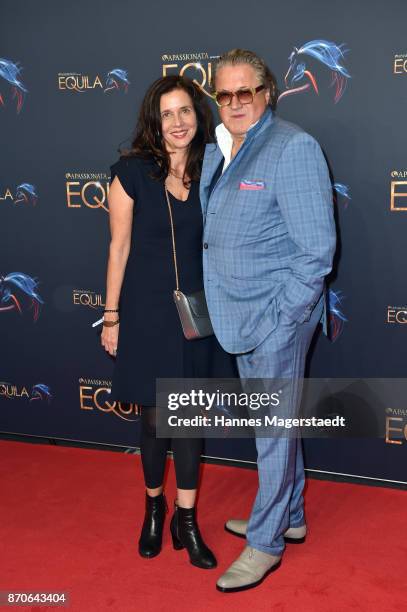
(148, 141)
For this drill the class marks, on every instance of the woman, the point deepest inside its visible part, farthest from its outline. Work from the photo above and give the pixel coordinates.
(175, 123)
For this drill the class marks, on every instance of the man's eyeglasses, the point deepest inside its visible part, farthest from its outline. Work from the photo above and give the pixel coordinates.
(245, 95)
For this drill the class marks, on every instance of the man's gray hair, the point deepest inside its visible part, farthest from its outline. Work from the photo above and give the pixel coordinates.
(263, 72)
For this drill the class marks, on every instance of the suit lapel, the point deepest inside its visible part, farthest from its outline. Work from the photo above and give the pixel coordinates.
(212, 159)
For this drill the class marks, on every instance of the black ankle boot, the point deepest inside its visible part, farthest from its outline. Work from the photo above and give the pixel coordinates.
(185, 534)
(152, 532)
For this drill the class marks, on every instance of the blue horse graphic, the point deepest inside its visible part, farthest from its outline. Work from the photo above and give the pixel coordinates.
(10, 72)
(337, 319)
(299, 76)
(41, 392)
(17, 283)
(26, 193)
(117, 79)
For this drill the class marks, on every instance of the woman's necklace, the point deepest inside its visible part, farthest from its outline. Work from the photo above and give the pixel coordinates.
(175, 174)
(181, 178)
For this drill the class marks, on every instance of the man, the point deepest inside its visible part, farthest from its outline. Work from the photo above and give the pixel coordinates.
(269, 240)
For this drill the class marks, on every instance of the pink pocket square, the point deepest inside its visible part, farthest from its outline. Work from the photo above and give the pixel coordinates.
(252, 185)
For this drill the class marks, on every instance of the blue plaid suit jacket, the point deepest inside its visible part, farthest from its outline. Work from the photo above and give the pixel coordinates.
(269, 232)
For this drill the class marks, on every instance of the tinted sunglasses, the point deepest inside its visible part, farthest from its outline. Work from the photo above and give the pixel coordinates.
(245, 95)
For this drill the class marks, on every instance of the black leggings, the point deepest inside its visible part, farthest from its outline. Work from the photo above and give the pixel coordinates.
(187, 454)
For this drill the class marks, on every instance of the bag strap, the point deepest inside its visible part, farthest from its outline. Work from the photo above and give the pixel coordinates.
(174, 252)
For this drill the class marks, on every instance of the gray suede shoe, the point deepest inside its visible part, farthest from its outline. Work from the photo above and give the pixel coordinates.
(293, 535)
(248, 571)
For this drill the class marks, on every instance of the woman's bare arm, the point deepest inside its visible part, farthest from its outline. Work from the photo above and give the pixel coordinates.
(121, 215)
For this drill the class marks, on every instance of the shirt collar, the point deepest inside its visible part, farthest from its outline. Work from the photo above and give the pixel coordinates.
(225, 141)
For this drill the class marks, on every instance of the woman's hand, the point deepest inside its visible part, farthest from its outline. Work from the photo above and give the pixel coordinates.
(109, 339)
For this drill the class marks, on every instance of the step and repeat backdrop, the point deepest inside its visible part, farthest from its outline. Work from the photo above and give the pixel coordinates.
(72, 76)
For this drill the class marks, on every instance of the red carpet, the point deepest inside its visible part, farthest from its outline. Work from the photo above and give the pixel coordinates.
(70, 521)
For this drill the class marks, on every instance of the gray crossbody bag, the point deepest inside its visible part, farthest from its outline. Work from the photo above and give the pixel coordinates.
(192, 308)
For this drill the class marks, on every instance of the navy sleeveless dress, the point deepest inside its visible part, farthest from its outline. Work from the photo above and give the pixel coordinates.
(151, 342)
